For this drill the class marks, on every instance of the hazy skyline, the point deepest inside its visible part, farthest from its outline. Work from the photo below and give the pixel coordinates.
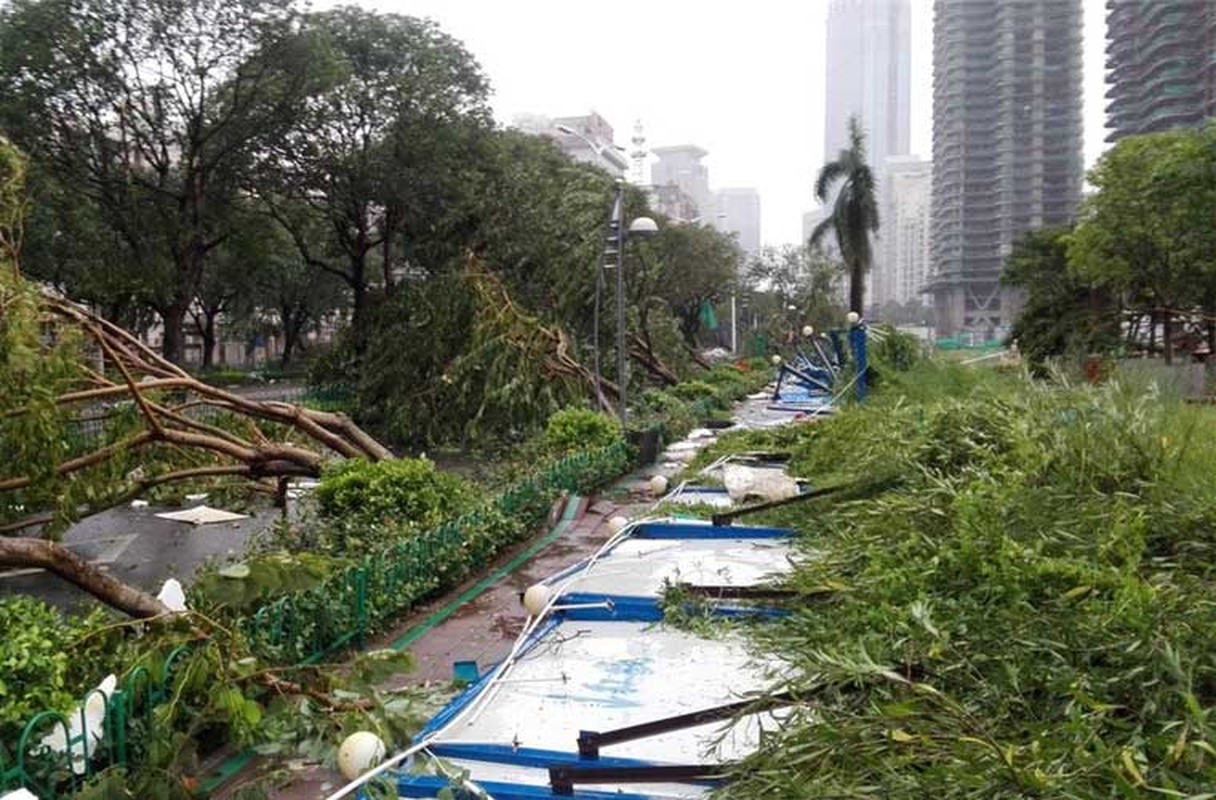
(744, 81)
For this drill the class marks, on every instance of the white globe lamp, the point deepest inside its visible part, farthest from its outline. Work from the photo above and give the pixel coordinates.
(358, 753)
(658, 485)
(536, 599)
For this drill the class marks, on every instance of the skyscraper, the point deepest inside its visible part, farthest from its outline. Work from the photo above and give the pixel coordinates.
(739, 213)
(1161, 65)
(1006, 145)
(906, 229)
(869, 57)
(869, 67)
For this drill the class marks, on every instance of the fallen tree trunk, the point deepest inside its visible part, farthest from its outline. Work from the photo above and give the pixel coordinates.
(24, 552)
(641, 353)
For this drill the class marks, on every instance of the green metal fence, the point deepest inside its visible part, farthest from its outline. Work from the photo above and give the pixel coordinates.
(57, 768)
(306, 627)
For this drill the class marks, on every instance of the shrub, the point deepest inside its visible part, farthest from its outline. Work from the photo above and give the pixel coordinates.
(691, 391)
(42, 666)
(580, 429)
(403, 492)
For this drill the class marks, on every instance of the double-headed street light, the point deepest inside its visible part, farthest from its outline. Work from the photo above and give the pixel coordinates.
(613, 256)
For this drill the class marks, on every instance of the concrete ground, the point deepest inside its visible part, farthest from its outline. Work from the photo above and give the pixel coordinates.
(138, 548)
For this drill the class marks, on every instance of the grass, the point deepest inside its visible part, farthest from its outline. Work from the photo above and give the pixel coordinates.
(1022, 606)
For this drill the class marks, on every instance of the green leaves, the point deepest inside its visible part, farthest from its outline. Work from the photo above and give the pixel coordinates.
(407, 493)
(1028, 613)
(577, 429)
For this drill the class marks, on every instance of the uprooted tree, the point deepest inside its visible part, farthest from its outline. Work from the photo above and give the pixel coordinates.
(91, 417)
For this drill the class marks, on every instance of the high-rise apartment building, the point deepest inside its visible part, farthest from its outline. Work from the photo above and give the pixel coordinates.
(739, 213)
(869, 68)
(1006, 145)
(681, 166)
(1161, 65)
(906, 229)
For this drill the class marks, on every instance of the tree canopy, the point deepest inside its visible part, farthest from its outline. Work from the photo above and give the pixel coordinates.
(1139, 260)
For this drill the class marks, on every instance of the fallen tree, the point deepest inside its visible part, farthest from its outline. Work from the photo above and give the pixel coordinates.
(91, 417)
(159, 425)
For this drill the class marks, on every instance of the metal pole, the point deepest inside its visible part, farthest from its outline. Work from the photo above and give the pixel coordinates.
(734, 325)
(621, 377)
(595, 327)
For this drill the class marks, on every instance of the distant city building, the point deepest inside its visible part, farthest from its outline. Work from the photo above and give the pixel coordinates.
(869, 68)
(905, 225)
(681, 166)
(1006, 145)
(739, 213)
(673, 202)
(592, 141)
(1161, 65)
(809, 220)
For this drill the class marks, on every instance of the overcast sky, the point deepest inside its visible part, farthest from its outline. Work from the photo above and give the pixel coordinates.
(745, 80)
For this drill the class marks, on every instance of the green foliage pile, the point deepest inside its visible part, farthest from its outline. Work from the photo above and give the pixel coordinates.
(574, 429)
(44, 661)
(681, 408)
(1015, 600)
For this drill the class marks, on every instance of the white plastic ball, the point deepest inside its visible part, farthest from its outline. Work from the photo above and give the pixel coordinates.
(536, 598)
(658, 485)
(808, 331)
(853, 317)
(776, 361)
(617, 524)
(358, 753)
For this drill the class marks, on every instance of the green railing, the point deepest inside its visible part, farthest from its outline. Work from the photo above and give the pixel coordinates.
(306, 627)
(54, 769)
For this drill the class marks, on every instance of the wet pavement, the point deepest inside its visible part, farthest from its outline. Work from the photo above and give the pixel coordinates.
(138, 548)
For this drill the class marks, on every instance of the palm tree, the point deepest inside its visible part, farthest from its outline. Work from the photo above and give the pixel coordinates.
(854, 212)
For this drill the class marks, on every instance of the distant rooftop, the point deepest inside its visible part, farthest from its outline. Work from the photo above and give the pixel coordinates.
(692, 149)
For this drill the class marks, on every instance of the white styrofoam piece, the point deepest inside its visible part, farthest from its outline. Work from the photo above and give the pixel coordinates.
(173, 595)
(766, 483)
(639, 567)
(90, 723)
(607, 675)
(202, 515)
(700, 497)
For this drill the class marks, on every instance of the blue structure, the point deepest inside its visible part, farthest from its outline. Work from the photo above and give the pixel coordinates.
(808, 382)
(599, 701)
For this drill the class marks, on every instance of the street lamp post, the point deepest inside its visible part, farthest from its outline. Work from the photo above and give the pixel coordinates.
(641, 228)
(598, 149)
